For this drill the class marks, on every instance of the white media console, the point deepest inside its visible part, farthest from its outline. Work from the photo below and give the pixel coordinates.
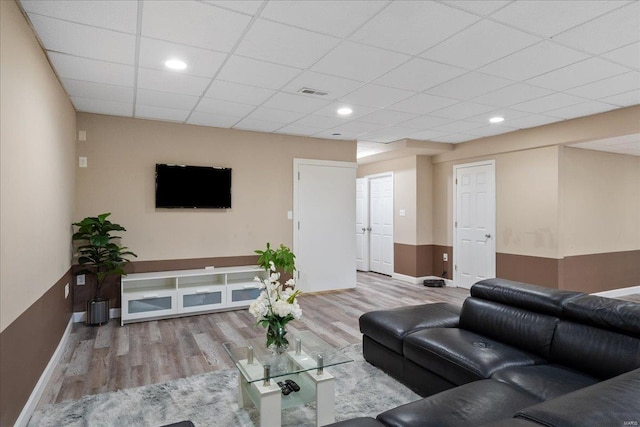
(147, 296)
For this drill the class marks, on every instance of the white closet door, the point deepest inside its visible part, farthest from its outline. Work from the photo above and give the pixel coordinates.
(324, 214)
(381, 223)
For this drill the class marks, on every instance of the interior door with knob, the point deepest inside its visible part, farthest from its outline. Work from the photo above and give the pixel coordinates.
(474, 248)
(362, 224)
(381, 224)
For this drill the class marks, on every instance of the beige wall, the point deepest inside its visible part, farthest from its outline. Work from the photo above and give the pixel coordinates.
(526, 202)
(36, 169)
(601, 202)
(122, 154)
(405, 190)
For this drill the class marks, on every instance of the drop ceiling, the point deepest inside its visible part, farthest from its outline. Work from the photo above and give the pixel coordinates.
(421, 70)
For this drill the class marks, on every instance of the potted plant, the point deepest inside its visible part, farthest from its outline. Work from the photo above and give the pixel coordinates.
(101, 256)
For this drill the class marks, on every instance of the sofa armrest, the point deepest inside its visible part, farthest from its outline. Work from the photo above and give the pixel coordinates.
(609, 403)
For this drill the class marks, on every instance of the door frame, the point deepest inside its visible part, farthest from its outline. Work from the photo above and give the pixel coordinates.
(366, 206)
(491, 163)
(393, 223)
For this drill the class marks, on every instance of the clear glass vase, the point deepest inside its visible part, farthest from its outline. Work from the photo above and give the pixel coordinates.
(276, 341)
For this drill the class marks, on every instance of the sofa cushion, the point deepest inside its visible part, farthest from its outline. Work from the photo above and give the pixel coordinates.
(523, 295)
(614, 402)
(544, 381)
(606, 313)
(470, 404)
(524, 329)
(461, 356)
(598, 352)
(358, 422)
(389, 327)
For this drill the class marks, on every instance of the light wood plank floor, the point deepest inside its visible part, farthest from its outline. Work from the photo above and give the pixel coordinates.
(114, 357)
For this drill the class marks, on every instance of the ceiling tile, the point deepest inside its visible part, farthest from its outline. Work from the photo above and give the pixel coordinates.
(218, 106)
(608, 32)
(253, 72)
(193, 23)
(358, 62)
(422, 103)
(79, 88)
(159, 113)
(119, 16)
(165, 99)
(548, 102)
(583, 109)
(548, 18)
(482, 8)
(337, 18)
(427, 135)
(331, 110)
(212, 119)
(426, 122)
(513, 94)
(387, 117)
(587, 71)
(606, 87)
(532, 61)
(388, 134)
(337, 135)
(532, 120)
(469, 86)
(282, 44)
(480, 44)
(626, 99)
(455, 138)
(320, 122)
(257, 125)
(274, 115)
(82, 40)
(295, 129)
(301, 103)
(506, 113)
(489, 131)
(419, 74)
(627, 55)
(249, 7)
(462, 110)
(200, 62)
(171, 81)
(376, 96)
(413, 26)
(236, 92)
(358, 127)
(335, 87)
(458, 126)
(100, 106)
(73, 67)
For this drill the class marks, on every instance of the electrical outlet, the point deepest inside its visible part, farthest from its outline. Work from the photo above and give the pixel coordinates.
(445, 257)
(80, 280)
(66, 291)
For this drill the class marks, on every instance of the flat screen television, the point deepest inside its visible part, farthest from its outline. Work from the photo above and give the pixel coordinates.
(181, 186)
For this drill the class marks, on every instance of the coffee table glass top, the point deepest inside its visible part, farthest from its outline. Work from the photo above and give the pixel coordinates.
(314, 353)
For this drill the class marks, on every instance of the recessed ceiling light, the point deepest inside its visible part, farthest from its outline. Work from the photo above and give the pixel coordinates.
(496, 119)
(345, 111)
(175, 64)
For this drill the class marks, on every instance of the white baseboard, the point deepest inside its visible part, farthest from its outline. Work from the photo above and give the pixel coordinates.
(81, 316)
(38, 390)
(619, 292)
(419, 280)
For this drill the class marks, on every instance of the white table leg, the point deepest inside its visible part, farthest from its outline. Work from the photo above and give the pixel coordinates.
(270, 404)
(325, 397)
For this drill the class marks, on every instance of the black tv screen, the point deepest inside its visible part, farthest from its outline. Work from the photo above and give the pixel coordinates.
(180, 186)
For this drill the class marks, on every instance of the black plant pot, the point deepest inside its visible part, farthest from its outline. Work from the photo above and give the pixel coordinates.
(97, 311)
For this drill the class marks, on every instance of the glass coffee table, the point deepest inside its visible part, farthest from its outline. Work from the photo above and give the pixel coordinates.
(304, 363)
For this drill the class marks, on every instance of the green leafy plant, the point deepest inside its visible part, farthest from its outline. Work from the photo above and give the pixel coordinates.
(97, 250)
(282, 258)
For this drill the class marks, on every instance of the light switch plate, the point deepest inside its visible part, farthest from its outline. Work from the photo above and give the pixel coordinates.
(82, 162)
(80, 280)
(403, 212)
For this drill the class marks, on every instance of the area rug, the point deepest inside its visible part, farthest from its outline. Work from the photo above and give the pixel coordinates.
(211, 400)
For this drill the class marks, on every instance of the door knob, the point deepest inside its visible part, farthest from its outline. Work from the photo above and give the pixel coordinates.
(364, 229)
(488, 236)
(368, 228)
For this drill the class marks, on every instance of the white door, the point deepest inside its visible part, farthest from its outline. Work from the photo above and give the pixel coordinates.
(324, 214)
(362, 224)
(381, 224)
(474, 248)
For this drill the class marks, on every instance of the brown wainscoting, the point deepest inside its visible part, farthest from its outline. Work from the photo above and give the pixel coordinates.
(413, 260)
(528, 269)
(27, 345)
(111, 288)
(600, 272)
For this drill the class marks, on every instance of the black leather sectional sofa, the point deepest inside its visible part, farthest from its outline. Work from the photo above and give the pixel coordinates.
(514, 355)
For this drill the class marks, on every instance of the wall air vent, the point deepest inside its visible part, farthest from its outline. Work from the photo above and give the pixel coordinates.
(309, 91)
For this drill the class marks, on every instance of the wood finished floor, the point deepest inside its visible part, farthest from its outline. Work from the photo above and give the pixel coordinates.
(114, 357)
